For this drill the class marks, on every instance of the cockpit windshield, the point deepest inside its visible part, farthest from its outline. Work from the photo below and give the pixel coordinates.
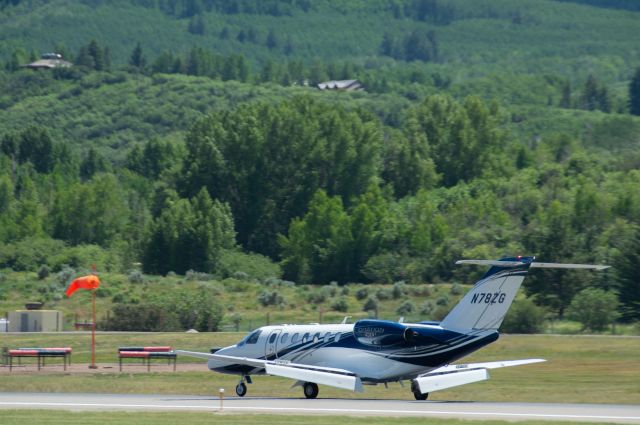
(251, 338)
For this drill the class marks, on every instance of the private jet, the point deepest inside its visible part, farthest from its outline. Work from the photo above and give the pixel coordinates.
(371, 351)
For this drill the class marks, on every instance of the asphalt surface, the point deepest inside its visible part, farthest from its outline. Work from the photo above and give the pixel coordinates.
(626, 414)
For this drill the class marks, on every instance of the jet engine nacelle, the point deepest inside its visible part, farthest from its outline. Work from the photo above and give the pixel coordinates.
(383, 333)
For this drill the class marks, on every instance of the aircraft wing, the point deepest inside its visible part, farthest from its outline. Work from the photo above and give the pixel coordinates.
(455, 375)
(333, 377)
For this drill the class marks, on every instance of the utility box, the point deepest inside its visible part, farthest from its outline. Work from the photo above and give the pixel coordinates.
(4, 325)
(35, 321)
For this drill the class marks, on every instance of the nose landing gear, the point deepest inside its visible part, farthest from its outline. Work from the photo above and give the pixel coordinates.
(241, 388)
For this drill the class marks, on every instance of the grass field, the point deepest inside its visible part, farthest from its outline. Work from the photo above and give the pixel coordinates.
(579, 369)
(44, 417)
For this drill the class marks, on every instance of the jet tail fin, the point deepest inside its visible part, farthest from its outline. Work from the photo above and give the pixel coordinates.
(487, 303)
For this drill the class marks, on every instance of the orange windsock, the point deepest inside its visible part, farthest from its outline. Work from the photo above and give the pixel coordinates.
(85, 282)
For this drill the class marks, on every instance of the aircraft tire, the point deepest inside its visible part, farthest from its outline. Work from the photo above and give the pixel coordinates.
(415, 389)
(310, 390)
(419, 396)
(241, 389)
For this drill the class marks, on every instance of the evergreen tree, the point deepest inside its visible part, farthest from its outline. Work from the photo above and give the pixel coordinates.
(18, 58)
(389, 46)
(84, 58)
(627, 271)
(92, 163)
(106, 52)
(97, 54)
(634, 93)
(164, 63)
(36, 146)
(591, 93)
(189, 235)
(137, 58)
(565, 100)
(272, 40)
(288, 46)
(196, 25)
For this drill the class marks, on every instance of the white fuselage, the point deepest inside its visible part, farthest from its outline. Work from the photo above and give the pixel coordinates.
(330, 346)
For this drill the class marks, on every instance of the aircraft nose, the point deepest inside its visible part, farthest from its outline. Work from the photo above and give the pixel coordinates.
(214, 364)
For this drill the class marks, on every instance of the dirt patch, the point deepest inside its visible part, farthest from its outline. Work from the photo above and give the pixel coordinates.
(102, 368)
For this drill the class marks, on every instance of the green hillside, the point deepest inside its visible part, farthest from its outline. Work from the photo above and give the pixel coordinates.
(189, 137)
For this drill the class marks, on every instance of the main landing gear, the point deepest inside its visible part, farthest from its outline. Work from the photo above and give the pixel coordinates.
(415, 389)
(310, 389)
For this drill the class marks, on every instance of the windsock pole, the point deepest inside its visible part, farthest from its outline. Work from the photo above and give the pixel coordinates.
(93, 332)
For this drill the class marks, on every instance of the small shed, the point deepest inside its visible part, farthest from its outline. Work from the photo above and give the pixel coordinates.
(35, 321)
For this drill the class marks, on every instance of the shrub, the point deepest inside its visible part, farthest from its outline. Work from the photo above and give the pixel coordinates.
(66, 275)
(383, 294)
(236, 319)
(427, 308)
(371, 305)
(192, 275)
(43, 272)
(254, 265)
(136, 276)
(398, 290)
(594, 308)
(362, 293)
(341, 304)
(141, 317)
(241, 275)
(267, 298)
(456, 289)
(443, 301)
(317, 297)
(405, 308)
(524, 317)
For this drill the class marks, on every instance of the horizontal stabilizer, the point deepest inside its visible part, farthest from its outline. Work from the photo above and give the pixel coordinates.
(491, 263)
(347, 382)
(429, 383)
(533, 264)
(487, 365)
(568, 266)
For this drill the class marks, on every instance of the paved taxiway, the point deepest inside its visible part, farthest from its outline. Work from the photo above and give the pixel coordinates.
(462, 410)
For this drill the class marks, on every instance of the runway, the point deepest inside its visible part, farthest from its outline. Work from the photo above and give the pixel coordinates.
(625, 414)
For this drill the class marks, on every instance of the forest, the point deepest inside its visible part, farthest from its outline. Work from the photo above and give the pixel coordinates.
(205, 149)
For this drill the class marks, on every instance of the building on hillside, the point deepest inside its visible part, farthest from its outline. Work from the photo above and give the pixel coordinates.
(49, 61)
(341, 85)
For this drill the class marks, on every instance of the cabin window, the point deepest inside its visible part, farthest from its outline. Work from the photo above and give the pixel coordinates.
(294, 338)
(305, 338)
(253, 338)
(272, 338)
(337, 337)
(285, 337)
(316, 337)
(327, 337)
